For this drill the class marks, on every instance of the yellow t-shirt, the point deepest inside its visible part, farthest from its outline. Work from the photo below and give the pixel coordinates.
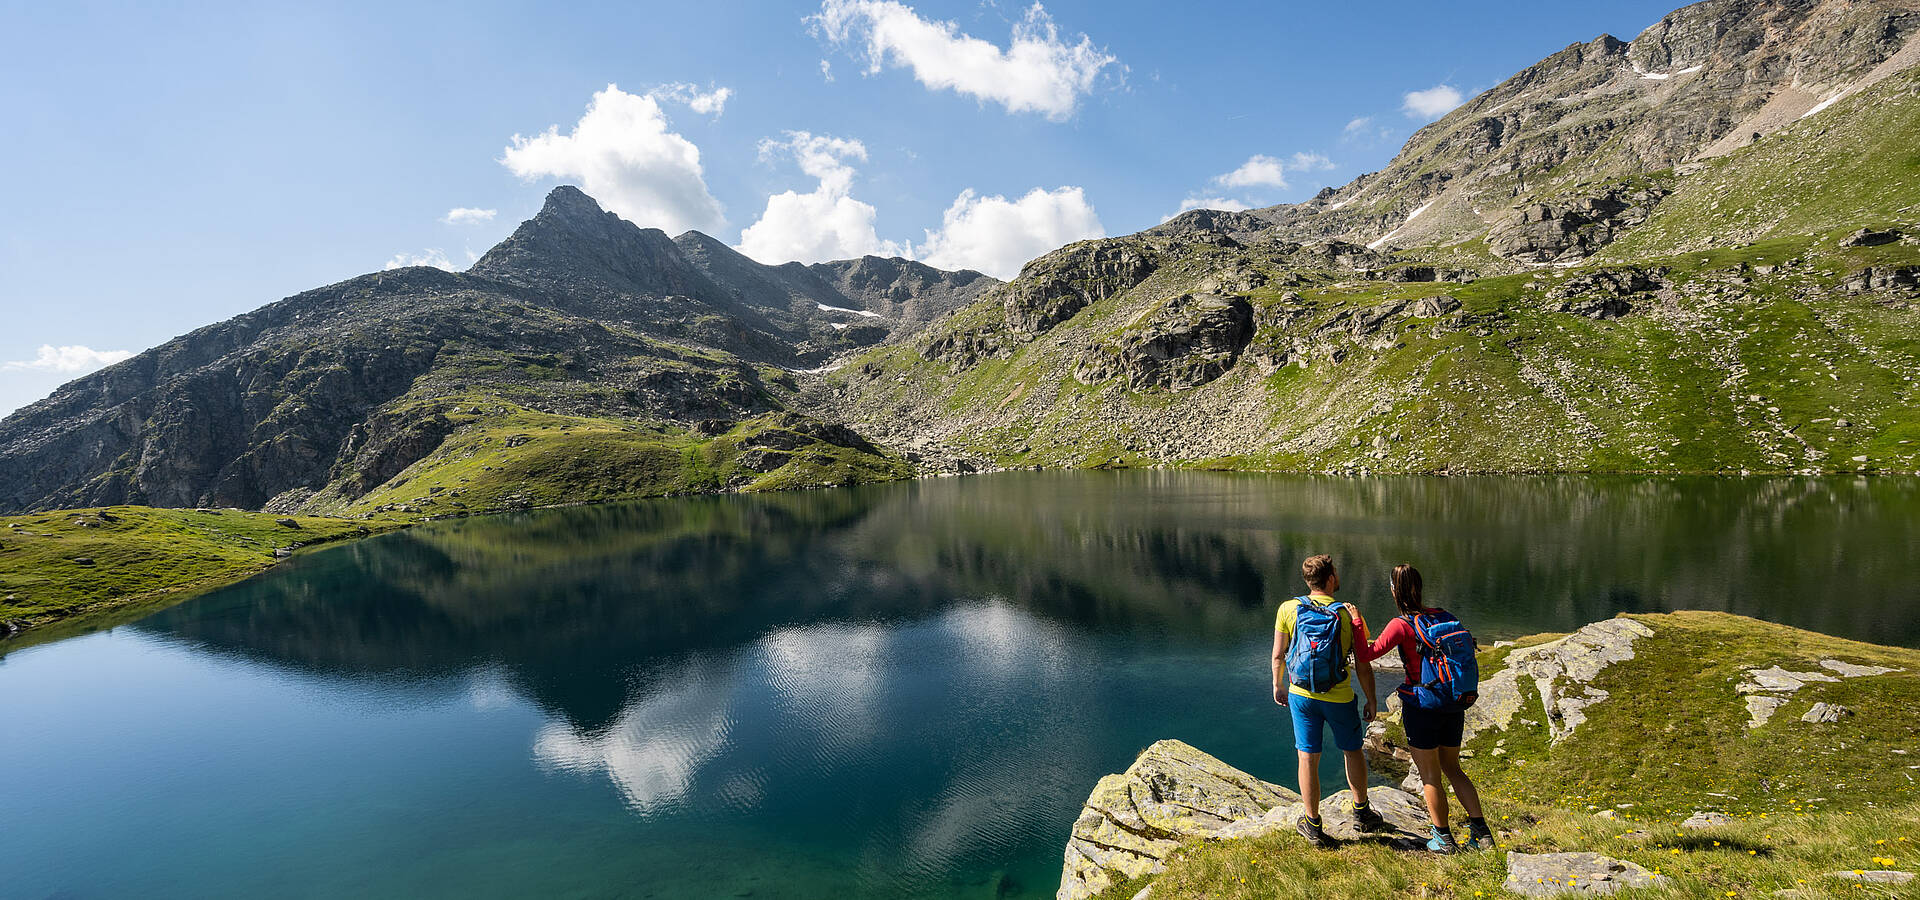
(1289, 612)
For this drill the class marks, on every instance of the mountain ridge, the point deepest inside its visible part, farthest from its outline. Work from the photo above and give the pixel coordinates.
(577, 312)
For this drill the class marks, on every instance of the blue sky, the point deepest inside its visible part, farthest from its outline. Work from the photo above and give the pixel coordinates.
(174, 167)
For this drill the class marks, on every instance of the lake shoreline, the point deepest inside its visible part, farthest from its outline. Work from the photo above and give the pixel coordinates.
(16, 628)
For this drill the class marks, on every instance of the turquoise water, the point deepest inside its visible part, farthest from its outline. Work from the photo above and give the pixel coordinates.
(896, 691)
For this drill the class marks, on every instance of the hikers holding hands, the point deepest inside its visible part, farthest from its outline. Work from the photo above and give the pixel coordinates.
(1312, 639)
(1442, 681)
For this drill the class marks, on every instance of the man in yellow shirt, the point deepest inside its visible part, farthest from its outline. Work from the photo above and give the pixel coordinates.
(1305, 650)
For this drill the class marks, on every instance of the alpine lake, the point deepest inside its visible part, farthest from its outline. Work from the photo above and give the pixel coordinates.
(901, 690)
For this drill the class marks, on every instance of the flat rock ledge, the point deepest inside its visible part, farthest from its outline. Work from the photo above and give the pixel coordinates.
(1171, 793)
(1556, 874)
(1562, 670)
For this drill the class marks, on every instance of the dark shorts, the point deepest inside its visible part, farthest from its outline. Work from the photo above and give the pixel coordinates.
(1427, 729)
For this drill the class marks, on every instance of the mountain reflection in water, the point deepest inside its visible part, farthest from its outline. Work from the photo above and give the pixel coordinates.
(906, 690)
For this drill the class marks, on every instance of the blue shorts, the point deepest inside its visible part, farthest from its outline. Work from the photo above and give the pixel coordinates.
(1310, 714)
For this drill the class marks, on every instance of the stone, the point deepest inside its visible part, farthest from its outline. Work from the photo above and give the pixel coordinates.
(286, 523)
(1849, 670)
(1434, 307)
(282, 552)
(83, 560)
(1777, 679)
(1562, 671)
(1867, 237)
(1172, 792)
(1826, 712)
(1706, 819)
(1873, 876)
(1761, 707)
(1556, 874)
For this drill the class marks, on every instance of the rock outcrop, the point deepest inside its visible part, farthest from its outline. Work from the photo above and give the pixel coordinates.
(1192, 340)
(1172, 792)
(1562, 670)
(1766, 690)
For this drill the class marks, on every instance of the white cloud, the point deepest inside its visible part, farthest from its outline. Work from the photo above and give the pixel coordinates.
(1358, 126)
(997, 236)
(826, 69)
(1431, 103)
(1037, 72)
(821, 224)
(1309, 162)
(623, 153)
(1195, 201)
(467, 215)
(711, 101)
(1259, 170)
(434, 257)
(72, 359)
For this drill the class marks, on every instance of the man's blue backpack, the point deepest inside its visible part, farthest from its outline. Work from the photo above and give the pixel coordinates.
(1314, 660)
(1449, 672)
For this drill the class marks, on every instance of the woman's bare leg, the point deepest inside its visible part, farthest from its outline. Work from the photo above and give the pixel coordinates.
(1462, 785)
(1428, 764)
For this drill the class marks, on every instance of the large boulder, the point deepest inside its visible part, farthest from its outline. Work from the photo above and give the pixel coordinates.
(1171, 793)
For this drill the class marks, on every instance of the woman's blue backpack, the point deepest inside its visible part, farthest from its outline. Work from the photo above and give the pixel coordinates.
(1449, 671)
(1314, 659)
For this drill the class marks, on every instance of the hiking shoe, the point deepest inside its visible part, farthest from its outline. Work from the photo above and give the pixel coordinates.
(1442, 842)
(1316, 838)
(1369, 821)
(1479, 836)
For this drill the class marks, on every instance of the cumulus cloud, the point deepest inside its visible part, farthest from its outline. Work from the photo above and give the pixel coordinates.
(467, 215)
(624, 152)
(1259, 170)
(1196, 201)
(72, 359)
(1037, 72)
(1309, 162)
(711, 101)
(1358, 126)
(821, 224)
(434, 257)
(1431, 103)
(997, 236)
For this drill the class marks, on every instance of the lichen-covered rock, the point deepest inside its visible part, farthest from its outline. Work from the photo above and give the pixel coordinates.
(1172, 792)
(1554, 874)
(1562, 670)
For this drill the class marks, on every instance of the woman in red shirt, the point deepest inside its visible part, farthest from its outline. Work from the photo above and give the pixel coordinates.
(1434, 735)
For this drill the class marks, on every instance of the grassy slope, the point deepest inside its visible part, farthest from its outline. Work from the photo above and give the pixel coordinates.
(1855, 164)
(1672, 739)
(138, 555)
(513, 456)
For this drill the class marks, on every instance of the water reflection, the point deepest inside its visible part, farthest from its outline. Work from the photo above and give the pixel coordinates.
(907, 689)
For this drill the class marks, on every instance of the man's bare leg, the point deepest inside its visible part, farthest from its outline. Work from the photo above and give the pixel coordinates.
(1310, 784)
(1357, 775)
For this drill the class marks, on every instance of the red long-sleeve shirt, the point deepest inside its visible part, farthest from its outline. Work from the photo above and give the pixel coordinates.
(1398, 634)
